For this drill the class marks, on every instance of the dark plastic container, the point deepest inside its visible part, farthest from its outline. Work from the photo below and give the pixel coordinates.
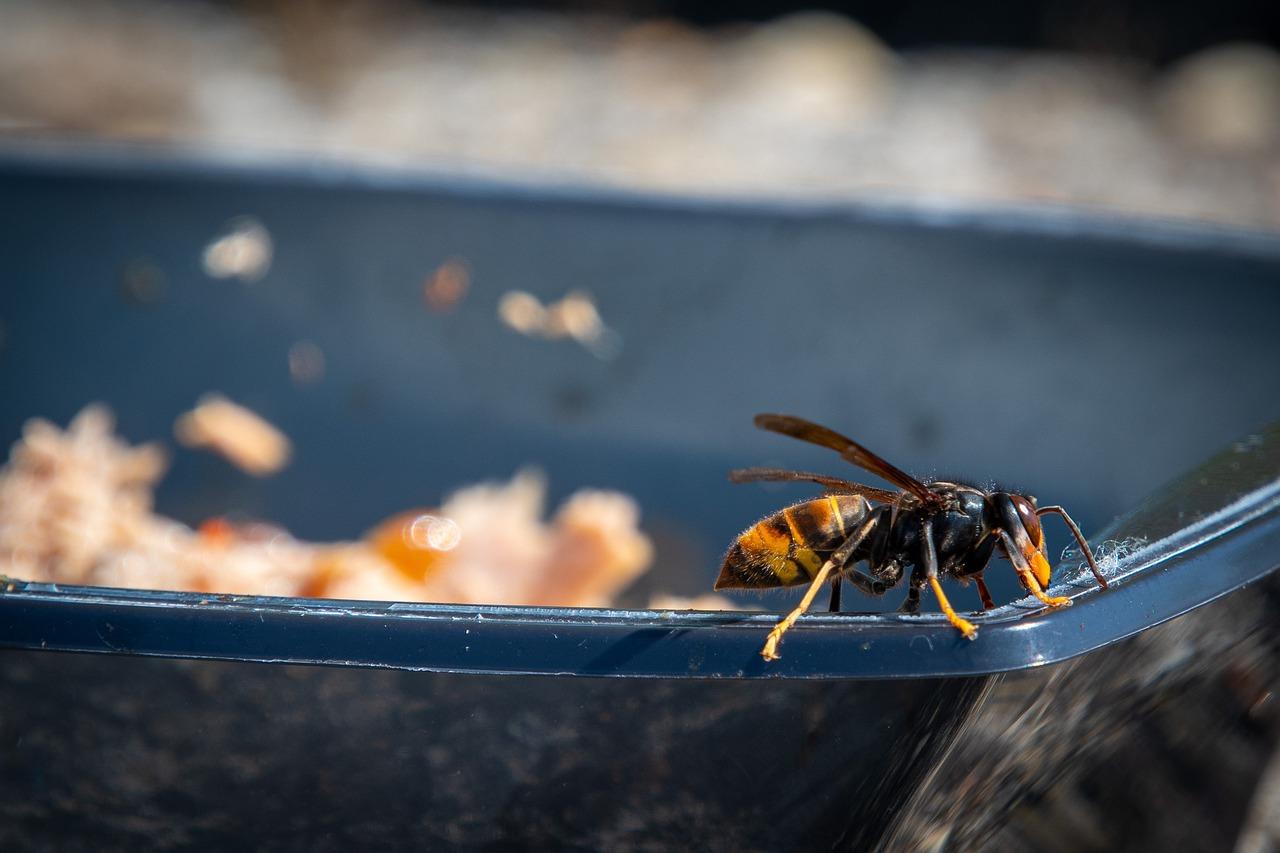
(1085, 359)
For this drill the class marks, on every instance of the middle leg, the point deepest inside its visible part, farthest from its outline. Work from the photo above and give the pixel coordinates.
(866, 584)
(930, 554)
(987, 603)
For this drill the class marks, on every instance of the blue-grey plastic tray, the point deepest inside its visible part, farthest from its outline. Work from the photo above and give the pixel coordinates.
(1189, 551)
(1088, 359)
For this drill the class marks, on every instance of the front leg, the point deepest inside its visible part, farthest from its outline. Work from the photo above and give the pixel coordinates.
(1028, 576)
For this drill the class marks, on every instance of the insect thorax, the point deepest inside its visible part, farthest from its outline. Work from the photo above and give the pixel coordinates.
(958, 528)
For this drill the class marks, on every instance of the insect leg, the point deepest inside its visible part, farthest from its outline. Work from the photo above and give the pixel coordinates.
(987, 603)
(1028, 577)
(912, 602)
(834, 562)
(866, 584)
(964, 626)
(1084, 544)
(834, 606)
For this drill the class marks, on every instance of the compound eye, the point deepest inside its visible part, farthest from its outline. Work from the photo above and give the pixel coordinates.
(1030, 521)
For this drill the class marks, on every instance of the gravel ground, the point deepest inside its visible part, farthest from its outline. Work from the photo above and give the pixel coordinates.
(809, 106)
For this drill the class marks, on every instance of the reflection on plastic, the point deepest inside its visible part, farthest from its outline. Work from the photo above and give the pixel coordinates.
(434, 532)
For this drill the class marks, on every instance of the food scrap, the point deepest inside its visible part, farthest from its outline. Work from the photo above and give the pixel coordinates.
(306, 363)
(447, 285)
(242, 251)
(709, 601)
(574, 316)
(76, 507)
(242, 436)
(72, 500)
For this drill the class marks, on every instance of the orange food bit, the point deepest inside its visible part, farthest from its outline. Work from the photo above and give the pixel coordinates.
(447, 286)
(325, 569)
(415, 542)
(218, 531)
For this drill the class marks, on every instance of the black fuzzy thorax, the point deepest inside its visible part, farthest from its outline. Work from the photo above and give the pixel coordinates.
(961, 529)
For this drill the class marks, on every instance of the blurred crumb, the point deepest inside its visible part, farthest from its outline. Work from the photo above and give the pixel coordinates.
(69, 497)
(243, 251)
(447, 286)
(598, 546)
(142, 282)
(241, 436)
(522, 312)
(75, 507)
(306, 363)
(574, 316)
(710, 601)
(589, 552)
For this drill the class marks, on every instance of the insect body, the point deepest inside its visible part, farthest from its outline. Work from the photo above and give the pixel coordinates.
(935, 530)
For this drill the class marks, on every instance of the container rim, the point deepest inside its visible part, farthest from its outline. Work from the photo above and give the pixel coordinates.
(62, 157)
(1198, 564)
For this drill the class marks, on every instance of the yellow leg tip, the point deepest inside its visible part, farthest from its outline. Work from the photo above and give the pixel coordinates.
(770, 650)
(1054, 601)
(964, 626)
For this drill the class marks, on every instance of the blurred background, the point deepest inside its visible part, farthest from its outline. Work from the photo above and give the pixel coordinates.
(1166, 110)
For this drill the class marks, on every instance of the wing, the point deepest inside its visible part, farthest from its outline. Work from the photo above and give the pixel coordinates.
(833, 484)
(849, 449)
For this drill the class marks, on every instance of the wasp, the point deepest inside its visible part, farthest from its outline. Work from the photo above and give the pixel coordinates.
(939, 529)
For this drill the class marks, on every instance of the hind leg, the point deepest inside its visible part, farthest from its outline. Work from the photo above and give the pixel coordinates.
(836, 561)
(912, 602)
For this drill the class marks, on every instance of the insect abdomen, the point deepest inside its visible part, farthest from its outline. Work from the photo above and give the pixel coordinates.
(789, 547)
